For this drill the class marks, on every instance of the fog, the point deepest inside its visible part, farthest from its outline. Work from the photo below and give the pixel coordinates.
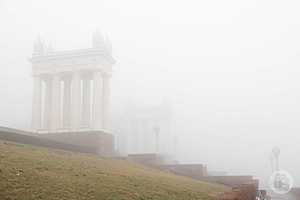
(230, 70)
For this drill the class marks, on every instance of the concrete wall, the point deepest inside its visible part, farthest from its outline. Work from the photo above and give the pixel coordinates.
(245, 191)
(101, 142)
(199, 171)
(196, 171)
(227, 180)
(84, 142)
(13, 130)
(217, 173)
(43, 142)
(295, 192)
(150, 159)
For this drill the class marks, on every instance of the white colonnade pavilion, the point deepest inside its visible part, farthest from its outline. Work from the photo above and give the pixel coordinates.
(71, 88)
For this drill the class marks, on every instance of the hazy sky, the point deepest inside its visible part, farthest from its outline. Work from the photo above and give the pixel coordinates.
(230, 68)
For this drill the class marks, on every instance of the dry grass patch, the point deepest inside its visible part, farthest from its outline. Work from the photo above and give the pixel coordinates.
(28, 172)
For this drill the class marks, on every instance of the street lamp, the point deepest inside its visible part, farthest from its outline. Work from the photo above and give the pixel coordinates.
(276, 152)
(156, 130)
(271, 157)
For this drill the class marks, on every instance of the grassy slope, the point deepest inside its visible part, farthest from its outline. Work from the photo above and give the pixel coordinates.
(28, 172)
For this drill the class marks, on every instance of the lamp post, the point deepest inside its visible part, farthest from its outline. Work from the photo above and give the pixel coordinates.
(156, 131)
(271, 157)
(277, 181)
(276, 152)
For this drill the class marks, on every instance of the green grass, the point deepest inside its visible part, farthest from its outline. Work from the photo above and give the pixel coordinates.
(28, 172)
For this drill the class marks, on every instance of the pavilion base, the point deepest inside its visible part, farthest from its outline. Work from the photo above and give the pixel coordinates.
(101, 142)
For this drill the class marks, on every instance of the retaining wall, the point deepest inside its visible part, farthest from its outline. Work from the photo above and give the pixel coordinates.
(196, 171)
(102, 143)
(84, 142)
(245, 191)
(295, 192)
(149, 159)
(227, 180)
(43, 142)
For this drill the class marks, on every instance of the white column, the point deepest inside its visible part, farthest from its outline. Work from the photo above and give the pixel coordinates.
(106, 100)
(75, 103)
(67, 103)
(47, 105)
(55, 103)
(36, 104)
(86, 102)
(98, 101)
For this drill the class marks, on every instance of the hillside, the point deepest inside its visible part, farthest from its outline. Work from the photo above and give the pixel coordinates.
(28, 172)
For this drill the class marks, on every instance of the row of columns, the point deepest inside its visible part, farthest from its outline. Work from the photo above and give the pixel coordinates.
(79, 100)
